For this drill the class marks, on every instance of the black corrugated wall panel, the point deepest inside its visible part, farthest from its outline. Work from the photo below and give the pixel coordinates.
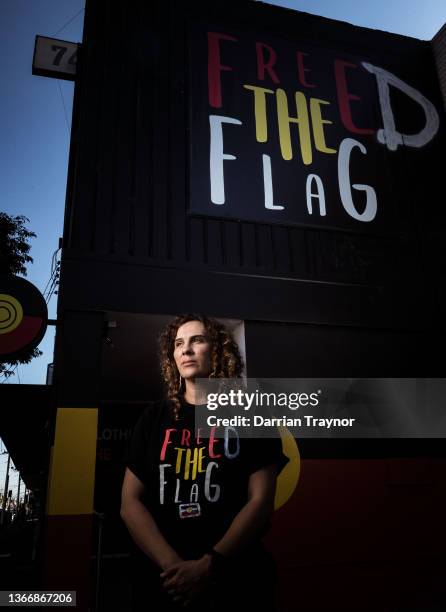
(128, 191)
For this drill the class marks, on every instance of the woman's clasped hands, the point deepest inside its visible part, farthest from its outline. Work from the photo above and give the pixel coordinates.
(184, 580)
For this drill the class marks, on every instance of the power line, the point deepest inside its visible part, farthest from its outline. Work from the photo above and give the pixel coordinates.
(54, 268)
(54, 261)
(68, 22)
(47, 291)
(54, 278)
(64, 107)
(51, 290)
(48, 284)
(54, 284)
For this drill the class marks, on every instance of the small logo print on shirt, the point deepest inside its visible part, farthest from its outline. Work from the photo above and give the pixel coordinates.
(189, 510)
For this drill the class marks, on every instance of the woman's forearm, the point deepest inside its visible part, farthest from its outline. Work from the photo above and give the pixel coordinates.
(146, 534)
(245, 526)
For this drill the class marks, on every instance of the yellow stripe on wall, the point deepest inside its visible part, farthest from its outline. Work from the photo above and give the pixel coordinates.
(71, 486)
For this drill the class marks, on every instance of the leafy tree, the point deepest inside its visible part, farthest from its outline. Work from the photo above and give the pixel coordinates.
(14, 245)
(14, 255)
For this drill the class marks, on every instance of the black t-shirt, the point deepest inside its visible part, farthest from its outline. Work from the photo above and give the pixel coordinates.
(195, 484)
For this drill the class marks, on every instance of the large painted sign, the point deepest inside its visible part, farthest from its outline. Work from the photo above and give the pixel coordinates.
(282, 132)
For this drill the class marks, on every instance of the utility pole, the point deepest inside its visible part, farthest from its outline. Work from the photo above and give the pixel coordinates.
(5, 491)
(18, 494)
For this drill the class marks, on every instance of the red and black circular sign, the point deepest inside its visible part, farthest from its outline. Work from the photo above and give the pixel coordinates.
(23, 317)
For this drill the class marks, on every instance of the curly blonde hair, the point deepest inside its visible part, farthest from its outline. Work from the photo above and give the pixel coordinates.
(226, 361)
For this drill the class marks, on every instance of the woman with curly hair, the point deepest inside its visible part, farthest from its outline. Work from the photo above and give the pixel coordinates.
(197, 505)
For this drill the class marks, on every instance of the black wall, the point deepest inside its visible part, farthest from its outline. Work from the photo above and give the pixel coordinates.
(366, 299)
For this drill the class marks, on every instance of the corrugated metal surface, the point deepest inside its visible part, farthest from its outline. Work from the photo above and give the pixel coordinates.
(439, 49)
(128, 187)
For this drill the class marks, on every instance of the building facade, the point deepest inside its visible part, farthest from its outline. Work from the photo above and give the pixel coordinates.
(280, 171)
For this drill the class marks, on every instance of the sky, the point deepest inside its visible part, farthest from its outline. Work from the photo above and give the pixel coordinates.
(418, 18)
(35, 122)
(35, 118)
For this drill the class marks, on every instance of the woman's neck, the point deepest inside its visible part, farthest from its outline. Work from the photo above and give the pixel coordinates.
(194, 394)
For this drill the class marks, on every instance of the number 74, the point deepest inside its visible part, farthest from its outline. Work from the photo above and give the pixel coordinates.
(60, 52)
